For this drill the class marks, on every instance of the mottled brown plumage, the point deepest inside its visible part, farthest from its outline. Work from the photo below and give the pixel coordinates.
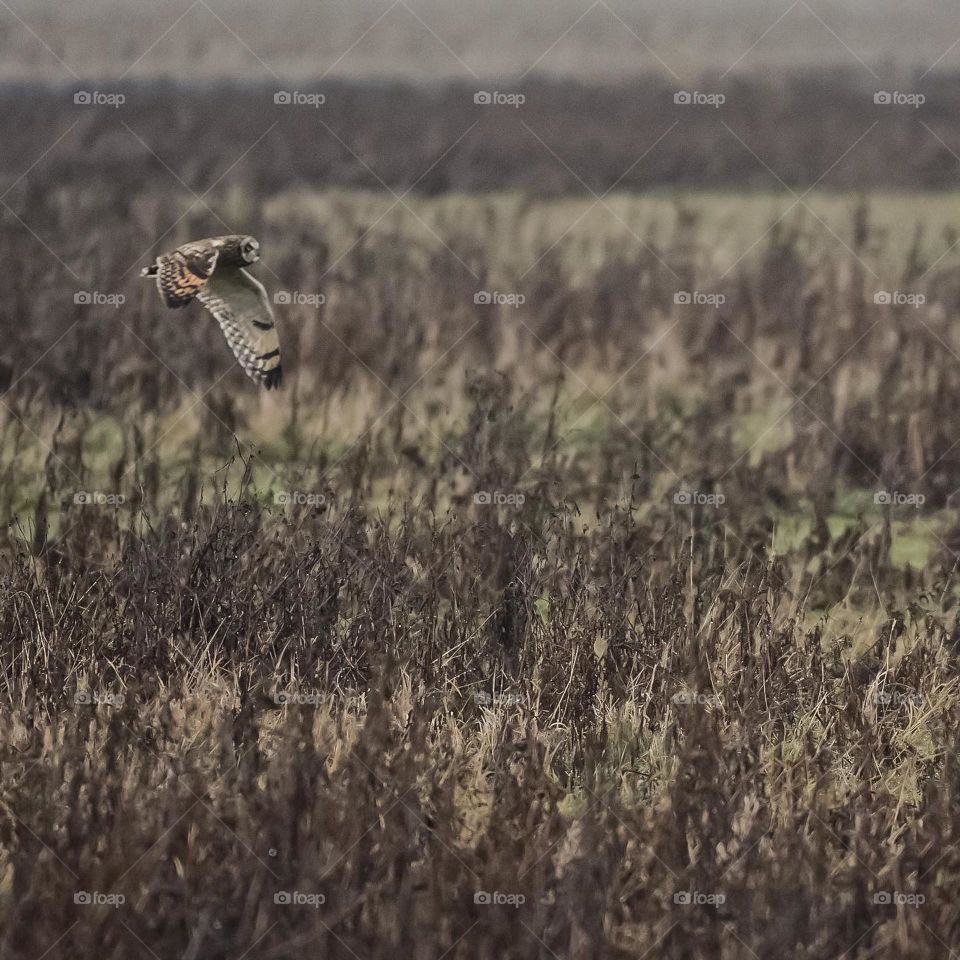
(212, 271)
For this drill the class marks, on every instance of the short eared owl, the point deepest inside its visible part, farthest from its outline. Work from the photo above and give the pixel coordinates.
(212, 271)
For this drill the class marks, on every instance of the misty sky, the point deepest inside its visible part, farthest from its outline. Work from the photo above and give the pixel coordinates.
(441, 39)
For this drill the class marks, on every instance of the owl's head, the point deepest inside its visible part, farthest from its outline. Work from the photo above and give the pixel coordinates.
(250, 249)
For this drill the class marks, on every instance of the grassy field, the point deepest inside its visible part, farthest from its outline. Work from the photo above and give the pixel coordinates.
(614, 616)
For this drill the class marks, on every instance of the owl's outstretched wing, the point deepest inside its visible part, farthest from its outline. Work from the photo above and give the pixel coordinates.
(240, 304)
(182, 273)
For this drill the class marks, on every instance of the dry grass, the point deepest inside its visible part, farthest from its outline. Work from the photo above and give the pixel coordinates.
(396, 697)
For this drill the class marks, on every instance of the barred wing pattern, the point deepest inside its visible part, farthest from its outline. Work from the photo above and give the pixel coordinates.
(240, 304)
(182, 274)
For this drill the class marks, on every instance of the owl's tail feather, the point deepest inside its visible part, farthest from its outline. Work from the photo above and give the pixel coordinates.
(150, 271)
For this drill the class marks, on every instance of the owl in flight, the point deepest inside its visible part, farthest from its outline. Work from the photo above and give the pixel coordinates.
(213, 271)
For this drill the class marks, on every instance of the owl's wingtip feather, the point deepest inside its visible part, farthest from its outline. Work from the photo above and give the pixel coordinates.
(273, 378)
